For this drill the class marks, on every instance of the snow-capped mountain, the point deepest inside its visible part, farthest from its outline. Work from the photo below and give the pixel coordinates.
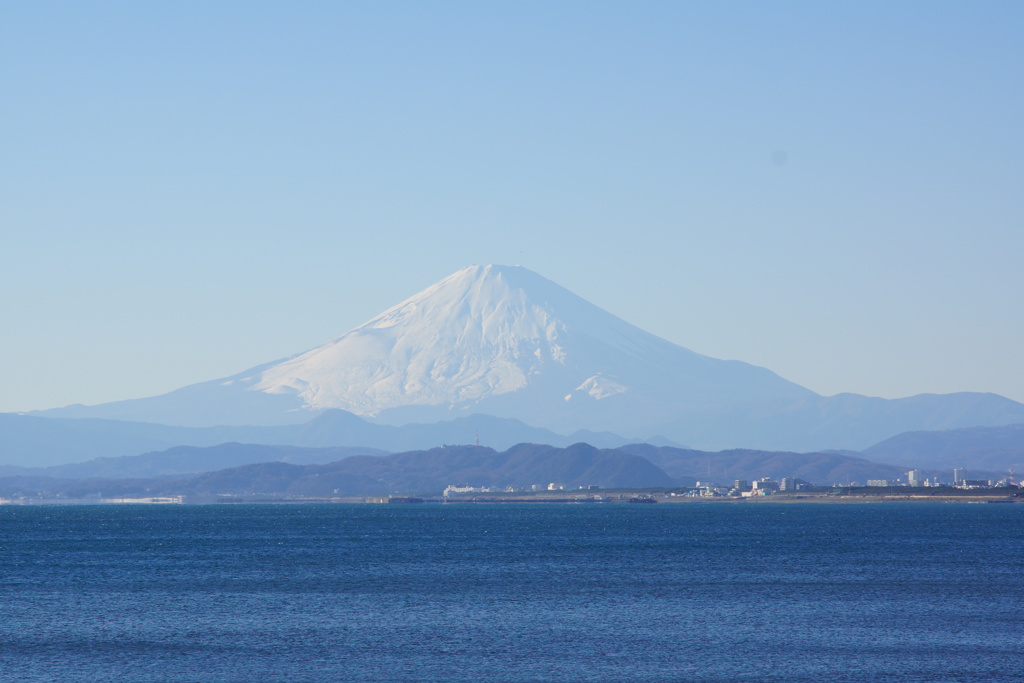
(507, 342)
(491, 333)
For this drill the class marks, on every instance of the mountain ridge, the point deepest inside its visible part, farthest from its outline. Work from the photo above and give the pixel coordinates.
(684, 465)
(972, 448)
(31, 441)
(428, 470)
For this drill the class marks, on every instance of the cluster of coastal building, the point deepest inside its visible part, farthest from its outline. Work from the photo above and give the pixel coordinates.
(961, 480)
(458, 489)
(739, 489)
(765, 486)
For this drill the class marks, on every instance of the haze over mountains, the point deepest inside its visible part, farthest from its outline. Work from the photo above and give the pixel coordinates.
(246, 469)
(975, 448)
(30, 441)
(506, 342)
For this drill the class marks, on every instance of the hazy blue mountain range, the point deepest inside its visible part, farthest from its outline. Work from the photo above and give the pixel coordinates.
(684, 466)
(184, 460)
(29, 441)
(983, 451)
(297, 471)
(844, 422)
(507, 342)
(427, 471)
(724, 467)
(996, 449)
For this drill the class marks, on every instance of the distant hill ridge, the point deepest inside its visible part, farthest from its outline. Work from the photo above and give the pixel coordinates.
(41, 441)
(30, 441)
(247, 468)
(417, 471)
(976, 448)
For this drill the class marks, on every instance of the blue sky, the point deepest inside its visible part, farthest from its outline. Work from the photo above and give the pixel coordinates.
(829, 190)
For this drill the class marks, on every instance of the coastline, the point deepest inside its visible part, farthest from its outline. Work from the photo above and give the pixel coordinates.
(616, 497)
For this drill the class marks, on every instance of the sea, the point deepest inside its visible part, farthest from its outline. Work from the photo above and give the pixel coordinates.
(513, 592)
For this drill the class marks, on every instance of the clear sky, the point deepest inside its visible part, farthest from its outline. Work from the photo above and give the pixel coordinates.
(834, 191)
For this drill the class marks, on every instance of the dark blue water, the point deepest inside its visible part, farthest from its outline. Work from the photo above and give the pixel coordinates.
(688, 592)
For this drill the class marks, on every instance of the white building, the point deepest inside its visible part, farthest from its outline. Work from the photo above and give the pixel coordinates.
(465, 488)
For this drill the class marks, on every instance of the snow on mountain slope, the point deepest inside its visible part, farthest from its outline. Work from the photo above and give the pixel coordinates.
(467, 337)
(485, 332)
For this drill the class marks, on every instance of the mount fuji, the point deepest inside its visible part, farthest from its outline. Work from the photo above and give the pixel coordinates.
(507, 342)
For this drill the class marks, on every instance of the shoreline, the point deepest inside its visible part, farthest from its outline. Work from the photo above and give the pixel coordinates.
(618, 497)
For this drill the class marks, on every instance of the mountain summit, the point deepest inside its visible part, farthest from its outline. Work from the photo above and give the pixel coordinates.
(505, 341)
(507, 338)
(481, 332)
